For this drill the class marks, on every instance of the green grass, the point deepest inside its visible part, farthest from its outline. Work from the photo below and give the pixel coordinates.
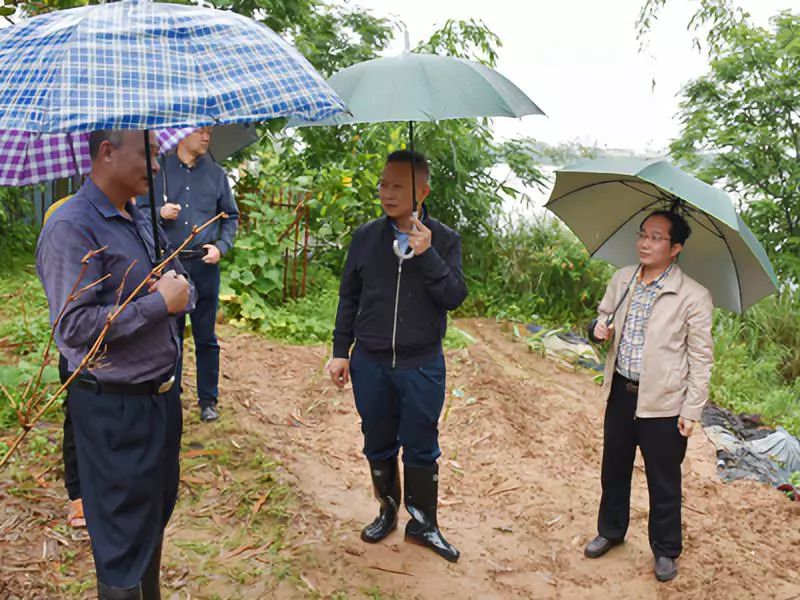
(24, 333)
(757, 367)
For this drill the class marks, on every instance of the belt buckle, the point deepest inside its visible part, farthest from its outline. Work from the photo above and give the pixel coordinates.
(631, 387)
(166, 386)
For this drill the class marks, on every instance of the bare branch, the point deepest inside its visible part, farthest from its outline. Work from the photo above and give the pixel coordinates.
(157, 270)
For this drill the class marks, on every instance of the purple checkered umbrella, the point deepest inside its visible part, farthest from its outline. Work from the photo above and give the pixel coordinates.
(30, 159)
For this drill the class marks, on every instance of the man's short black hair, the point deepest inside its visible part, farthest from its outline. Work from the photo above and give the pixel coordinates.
(679, 230)
(101, 135)
(418, 159)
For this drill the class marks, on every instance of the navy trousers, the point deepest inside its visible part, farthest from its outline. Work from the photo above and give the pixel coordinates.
(128, 460)
(399, 408)
(68, 452)
(204, 320)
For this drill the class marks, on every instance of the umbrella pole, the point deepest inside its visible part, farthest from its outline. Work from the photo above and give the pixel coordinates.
(396, 245)
(150, 185)
(413, 167)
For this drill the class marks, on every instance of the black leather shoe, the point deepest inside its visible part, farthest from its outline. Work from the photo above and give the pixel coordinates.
(666, 568)
(599, 546)
(421, 495)
(208, 413)
(386, 484)
(108, 592)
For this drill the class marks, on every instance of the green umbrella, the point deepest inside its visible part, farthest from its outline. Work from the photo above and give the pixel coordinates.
(603, 202)
(423, 87)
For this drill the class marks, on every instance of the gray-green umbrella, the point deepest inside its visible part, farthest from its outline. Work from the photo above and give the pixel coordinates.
(603, 202)
(423, 87)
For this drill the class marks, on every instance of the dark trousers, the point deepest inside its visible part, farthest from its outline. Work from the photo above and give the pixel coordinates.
(204, 320)
(128, 459)
(399, 407)
(72, 481)
(68, 452)
(663, 449)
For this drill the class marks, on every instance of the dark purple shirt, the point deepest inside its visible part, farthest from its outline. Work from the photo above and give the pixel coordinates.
(142, 343)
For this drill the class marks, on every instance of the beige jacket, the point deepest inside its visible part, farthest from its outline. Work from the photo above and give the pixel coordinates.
(678, 349)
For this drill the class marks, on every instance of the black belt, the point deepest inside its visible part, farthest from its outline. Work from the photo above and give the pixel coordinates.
(146, 388)
(632, 387)
(194, 253)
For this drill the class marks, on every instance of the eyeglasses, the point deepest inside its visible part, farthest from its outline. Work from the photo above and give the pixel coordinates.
(656, 238)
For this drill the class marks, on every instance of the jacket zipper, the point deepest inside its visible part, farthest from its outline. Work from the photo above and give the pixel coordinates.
(396, 307)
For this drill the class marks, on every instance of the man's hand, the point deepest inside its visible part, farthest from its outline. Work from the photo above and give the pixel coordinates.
(685, 426)
(213, 255)
(170, 211)
(175, 290)
(602, 331)
(419, 240)
(339, 370)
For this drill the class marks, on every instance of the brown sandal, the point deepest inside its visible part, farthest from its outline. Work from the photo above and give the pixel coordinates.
(75, 516)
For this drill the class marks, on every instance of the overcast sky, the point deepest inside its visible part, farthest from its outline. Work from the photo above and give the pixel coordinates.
(579, 61)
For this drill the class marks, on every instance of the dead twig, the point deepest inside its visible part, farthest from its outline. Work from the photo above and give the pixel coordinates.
(503, 491)
(385, 570)
(34, 383)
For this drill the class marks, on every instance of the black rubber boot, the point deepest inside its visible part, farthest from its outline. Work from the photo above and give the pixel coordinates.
(151, 580)
(108, 592)
(422, 489)
(386, 483)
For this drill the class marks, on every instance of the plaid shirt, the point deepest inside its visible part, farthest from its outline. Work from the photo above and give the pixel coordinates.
(631, 345)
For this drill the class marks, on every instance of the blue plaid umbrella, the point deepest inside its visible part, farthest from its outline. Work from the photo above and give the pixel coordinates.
(144, 65)
(138, 64)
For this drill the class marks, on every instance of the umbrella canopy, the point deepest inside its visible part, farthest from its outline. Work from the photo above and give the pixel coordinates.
(226, 140)
(423, 87)
(603, 202)
(144, 65)
(138, 64)
(30, 159)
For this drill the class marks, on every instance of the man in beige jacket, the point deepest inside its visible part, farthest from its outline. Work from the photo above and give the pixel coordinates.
(656, 384)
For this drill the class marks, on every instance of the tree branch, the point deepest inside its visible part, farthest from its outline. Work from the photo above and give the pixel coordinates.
(157, 270)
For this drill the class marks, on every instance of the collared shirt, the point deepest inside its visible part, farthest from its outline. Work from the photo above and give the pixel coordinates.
(401, 237)
(142, 343)
(202, 191)
(631, 345)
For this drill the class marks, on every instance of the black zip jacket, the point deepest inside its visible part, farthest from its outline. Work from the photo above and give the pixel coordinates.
(395, 310)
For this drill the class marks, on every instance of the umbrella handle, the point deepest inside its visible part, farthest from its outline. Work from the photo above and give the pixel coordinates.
(399, 253)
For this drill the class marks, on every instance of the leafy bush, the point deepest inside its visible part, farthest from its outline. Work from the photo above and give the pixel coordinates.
(537, 271)
(758, 360)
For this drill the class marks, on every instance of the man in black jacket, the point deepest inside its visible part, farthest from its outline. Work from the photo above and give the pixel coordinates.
(396, 311)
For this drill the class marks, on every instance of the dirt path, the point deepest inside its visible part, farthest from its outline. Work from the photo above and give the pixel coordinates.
(273, 497)
(520, 483)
